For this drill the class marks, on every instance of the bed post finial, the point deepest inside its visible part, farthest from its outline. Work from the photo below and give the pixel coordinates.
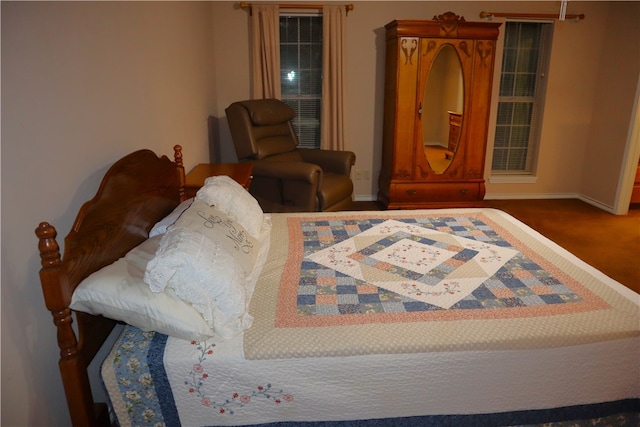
(48, 246)
(177, 154)
(177, 157)
(55, 285)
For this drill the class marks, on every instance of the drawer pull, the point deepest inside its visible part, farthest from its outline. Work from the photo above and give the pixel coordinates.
(464, 191)
(411, 192)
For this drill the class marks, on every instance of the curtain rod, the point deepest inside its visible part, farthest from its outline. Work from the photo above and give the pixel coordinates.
(491, 15)
(248, 6)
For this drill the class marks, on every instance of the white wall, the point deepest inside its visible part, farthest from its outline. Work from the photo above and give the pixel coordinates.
(574, 87)
(618, 72)
(83, 83)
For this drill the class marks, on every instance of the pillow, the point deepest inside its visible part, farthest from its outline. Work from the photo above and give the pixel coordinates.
(222, 229)
(232, 199)
(118, 291)
(161, 226)
(204, 274)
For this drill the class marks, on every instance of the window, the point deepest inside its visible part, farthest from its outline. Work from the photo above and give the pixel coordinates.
(301, 73)
(521, 97)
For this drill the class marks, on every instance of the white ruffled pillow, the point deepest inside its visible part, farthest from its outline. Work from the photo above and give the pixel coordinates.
(235, 201)
(197, 260)
(119, 292)
(204, 274)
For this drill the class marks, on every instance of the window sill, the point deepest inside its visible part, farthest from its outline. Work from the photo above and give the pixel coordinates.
(513, 179)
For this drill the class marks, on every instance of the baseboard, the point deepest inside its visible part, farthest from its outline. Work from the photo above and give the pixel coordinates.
(531, 196)
(364, 198)
(578, 196)
(597, 204)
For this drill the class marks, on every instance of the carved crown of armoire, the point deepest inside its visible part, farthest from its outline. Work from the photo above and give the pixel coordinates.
(437, 98)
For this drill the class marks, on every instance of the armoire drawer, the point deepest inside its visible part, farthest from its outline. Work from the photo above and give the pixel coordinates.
(427, 192)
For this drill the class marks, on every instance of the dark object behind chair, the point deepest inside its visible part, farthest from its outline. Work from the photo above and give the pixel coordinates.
(287, 178)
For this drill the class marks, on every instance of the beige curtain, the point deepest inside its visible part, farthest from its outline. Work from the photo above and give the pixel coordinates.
(333, 101)
(265, 34)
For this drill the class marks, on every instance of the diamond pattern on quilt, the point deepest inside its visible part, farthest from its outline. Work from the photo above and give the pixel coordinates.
(423, 264)
(367, 281)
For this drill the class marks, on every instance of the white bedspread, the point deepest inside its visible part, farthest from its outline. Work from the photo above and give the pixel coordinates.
(153, 379)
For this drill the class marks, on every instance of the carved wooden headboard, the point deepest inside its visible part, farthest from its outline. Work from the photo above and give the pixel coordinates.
(136, 192)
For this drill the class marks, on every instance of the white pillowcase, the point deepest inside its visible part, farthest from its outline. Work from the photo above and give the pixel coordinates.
(234, 200)
(161, 226)
(118, 291)
(222, 229)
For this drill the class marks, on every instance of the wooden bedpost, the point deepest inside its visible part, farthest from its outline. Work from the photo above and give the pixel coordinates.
(177, 157)
(57, 296)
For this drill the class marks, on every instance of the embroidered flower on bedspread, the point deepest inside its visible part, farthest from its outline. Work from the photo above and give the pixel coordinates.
(196, 378)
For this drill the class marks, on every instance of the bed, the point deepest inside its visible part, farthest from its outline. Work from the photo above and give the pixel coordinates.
(418, 317)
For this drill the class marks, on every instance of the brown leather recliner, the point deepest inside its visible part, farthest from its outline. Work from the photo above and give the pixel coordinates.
(287, 178)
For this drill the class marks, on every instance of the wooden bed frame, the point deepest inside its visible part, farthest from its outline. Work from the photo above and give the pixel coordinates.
(136, 192)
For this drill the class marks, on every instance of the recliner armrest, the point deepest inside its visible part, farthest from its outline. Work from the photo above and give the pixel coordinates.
(335, 161)
(306, 172)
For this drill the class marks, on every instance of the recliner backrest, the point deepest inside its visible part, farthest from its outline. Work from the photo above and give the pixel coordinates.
(261, 128)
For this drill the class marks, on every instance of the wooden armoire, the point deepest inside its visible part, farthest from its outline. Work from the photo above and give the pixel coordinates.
(438, 85)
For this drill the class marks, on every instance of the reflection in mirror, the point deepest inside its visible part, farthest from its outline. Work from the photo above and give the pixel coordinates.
(442, 106)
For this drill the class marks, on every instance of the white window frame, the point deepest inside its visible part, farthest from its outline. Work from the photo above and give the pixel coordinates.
(528, 173)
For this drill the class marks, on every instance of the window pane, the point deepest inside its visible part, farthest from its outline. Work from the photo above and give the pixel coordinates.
(510, 39)
(288, 30)
(509, 60)
(505, 113)
(289, 82)
(288, 57)
(499, 159)
(311, 56)
(525, 85)
(522, 113)
(530, 35)
(506, 85)
(517, 159)
(305, 31)
(527, 61)
(519, 136)
(502, 136)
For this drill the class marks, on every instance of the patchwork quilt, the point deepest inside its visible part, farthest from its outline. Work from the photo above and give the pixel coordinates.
(376, 315)
(430, 280)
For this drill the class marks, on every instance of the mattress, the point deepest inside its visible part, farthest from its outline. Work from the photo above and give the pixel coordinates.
(399, 315)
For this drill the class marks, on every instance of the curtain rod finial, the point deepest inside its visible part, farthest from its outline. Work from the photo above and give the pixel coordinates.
(245, 6)
(486, 15)
(348, 8)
